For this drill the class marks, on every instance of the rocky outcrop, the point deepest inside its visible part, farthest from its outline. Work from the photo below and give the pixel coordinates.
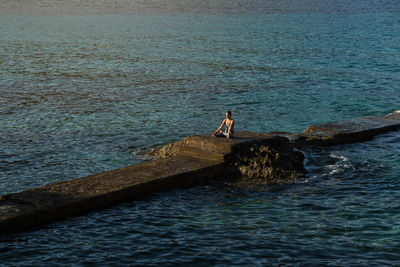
(253, 157)
(347, 131)
(263, 164)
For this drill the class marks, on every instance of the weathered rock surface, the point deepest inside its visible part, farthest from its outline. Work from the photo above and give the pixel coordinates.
(259, 158)
(38, 206)
(262, 163)
(347, 131)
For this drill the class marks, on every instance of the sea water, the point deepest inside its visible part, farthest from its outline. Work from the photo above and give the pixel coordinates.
(81, 94)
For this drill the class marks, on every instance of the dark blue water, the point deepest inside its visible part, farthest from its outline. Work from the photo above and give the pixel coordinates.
(80, 94)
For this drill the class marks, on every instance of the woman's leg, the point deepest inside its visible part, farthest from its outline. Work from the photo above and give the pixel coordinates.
(219, 135)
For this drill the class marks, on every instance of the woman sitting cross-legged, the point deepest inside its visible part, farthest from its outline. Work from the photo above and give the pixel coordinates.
(229, 127)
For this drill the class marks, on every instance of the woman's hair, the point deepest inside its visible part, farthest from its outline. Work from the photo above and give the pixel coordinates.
(229, 112)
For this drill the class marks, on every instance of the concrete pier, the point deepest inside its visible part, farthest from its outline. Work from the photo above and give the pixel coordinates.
(38, 206)
(347, 131)
(266, 157)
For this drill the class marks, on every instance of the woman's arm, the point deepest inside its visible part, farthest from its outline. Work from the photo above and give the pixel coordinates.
(220, 127)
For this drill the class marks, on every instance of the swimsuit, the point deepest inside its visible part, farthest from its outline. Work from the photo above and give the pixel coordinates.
(227, 128)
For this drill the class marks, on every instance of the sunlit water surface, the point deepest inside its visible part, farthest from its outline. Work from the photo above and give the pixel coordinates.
(88, 93)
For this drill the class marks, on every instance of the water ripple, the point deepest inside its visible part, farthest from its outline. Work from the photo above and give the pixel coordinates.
(84, 94)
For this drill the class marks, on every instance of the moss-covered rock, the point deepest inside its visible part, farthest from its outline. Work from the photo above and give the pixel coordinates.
(262, 164)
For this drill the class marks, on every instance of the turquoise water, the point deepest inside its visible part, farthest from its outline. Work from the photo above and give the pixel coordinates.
(81, 94)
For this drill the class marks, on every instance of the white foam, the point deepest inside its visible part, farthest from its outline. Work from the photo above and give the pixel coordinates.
(140, 154)
(307, 163)
(341, 157)
(394, 112)
(340, 165)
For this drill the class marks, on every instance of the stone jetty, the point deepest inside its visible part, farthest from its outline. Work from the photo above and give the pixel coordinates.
(347, 131)
(251, 157)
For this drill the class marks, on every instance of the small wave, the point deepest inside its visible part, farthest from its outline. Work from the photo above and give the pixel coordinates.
(340, 165)
(311, 165)
(141, 154)
(340, 157)
(336, 169)
(319, 165)
(310, 160)
(394, 112)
